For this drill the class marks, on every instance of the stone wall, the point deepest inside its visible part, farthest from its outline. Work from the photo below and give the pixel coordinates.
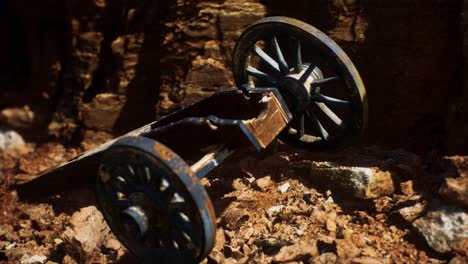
(139, 60)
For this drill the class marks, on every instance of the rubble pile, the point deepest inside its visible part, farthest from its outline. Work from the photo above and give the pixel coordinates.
(357, 205)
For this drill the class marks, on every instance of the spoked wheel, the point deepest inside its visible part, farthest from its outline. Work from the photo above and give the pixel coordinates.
(153, 204)
(316, 78)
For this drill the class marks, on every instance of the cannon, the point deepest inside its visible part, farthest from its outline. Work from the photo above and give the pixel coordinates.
(294, 83)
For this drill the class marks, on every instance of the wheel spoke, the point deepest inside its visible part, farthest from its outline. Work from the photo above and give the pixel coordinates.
(182, 241)
(327, 111)
(181, 223)
(301, 127)
(322, 131)
(156, 181)
(119, 184)
(283, 65)
(260, 75)
(298, 58)
(319, 82)
(266, 58)
(130, 169)
(330, 100)
(147, 175)
(143, 174)
(307, 73)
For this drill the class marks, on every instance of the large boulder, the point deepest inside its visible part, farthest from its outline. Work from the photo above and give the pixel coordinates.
(359, 182)
(443, 227)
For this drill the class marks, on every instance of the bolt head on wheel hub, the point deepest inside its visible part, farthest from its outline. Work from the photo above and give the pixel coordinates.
(296, 92)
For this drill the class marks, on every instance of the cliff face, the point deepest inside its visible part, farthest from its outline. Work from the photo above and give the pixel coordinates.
(112, 66)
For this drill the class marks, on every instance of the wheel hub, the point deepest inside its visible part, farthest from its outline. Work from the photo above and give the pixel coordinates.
(135, 221)
(298, 92)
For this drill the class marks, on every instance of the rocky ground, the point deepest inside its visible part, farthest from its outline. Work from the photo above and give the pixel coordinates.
(358, 205)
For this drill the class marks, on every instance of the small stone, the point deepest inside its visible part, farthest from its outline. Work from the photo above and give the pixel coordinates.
(10, 139)
(462, 247)
(369, 252)
(297, 252)
(67, 259)
(246, 249)
(35, 259)
(238, 184)
(367, 260)
(58, 241)
(264, 183)
(346, 250)
(10, 246)
(232, 252)
(407, 187)
(443, 228)
(456, 166)
(271, 244)
(383, 204)
(284, 187)
(246, 196)
(230, 261)
(216, 256)
(234, 218)
(220, 239)
(458, 260)
(17, 117)
(411, 213)
(274, 210)
(331, 225)
(248, 233)
(325, 258)
(455, 190)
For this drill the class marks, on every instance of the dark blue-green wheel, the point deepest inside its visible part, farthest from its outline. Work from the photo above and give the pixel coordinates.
(316, 78)
(153, 203)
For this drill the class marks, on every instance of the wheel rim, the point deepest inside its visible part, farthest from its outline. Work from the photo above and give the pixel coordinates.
(278, 48)
(156, 213)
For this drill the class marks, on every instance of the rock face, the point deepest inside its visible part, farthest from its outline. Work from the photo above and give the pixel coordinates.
(443, 228)
(102, 113)
(360, 182)
(166, 50)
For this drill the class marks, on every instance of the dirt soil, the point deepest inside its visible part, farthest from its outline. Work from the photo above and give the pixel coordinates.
(269, 210)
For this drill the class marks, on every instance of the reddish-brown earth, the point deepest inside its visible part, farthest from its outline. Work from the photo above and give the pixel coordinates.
(257, 223)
